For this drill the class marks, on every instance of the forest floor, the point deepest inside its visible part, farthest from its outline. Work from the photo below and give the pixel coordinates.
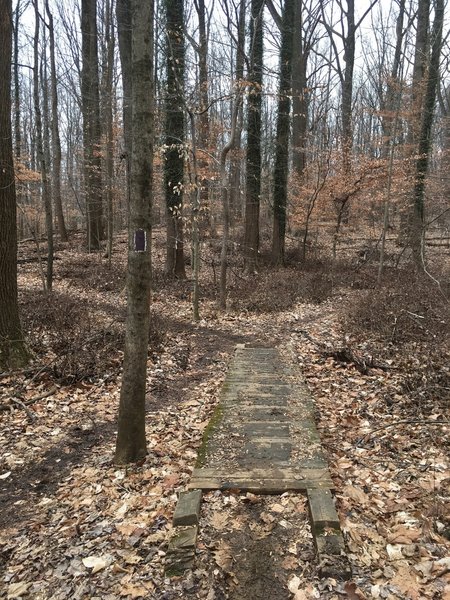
(377, 362)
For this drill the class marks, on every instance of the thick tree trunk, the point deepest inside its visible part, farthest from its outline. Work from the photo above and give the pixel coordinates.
(174, 156)
(282, 140)
(131, 442)
(253, 159)
(13, 352)
(90, 99)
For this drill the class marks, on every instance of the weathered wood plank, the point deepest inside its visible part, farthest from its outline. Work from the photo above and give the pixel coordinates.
(263, 486)
(183, 538)
(323, 513)
(258, 473)
(187, 511)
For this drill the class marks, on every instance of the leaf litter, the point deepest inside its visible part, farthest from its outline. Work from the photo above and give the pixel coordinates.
(75, 526)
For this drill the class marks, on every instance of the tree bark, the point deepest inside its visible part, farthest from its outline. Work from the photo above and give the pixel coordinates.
(56, 141)
(90, 99)
(280, 176)
(203, 127)
(13, 352)
(41, 158)
(253, 158)
(299, 94)
(174, 130)
(418, 217)
(131, 442)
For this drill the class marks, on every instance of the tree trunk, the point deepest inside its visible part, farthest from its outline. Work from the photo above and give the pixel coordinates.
(203, 138)
(347, 91)
(174, 129)
(56, 141)
(418, 217)
(235, 109)
(235, 202)
(131, 442)
(299, 94)
(123, 15)
(280, 176)
(108, 92)
(13, 352)
(253, 158)
(41, 159)
(90, 99)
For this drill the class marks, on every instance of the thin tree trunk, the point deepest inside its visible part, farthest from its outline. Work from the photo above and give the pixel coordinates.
(235, 202)
(56, 141)
(195, 209)
(204, 112)
(224, 194)
(109, 134)
(40, 155)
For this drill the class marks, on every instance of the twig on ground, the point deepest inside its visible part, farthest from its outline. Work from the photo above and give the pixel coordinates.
(25, 403)
(30, 413)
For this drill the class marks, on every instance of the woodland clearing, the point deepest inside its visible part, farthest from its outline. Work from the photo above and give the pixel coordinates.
(72, 525)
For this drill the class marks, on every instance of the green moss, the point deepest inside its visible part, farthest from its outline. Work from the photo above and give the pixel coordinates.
(213, 423)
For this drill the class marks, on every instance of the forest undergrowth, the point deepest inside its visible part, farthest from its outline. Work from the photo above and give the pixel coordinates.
(376, 359)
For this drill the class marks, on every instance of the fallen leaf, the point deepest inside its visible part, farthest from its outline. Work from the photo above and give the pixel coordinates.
(356, 493)
(403, 535)
(137, 590)
(394, 551)
(96, 563)
(353, 591)
(294, 584)
(16, 590)
(223, 557)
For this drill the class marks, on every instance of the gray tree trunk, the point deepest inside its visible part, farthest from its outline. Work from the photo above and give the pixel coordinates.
(131, 443)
